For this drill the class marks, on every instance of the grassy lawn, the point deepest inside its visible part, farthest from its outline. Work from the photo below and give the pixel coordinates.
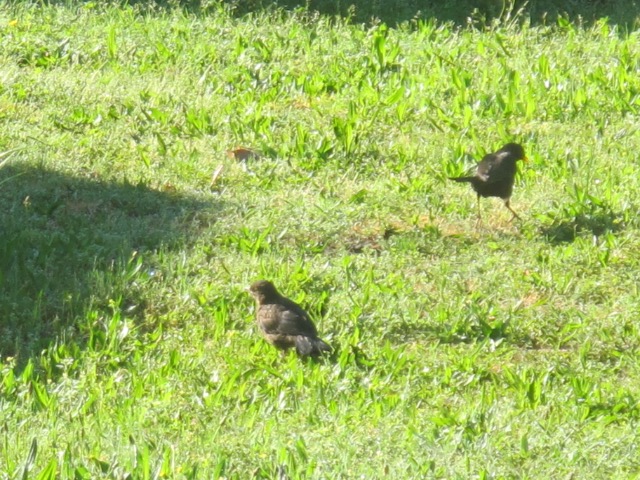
(128, 233)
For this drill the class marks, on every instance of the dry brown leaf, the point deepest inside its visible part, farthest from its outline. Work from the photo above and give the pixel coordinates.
(242, 154)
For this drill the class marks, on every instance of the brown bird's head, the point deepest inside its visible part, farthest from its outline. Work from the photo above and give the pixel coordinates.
(514, 149)
(263, 290)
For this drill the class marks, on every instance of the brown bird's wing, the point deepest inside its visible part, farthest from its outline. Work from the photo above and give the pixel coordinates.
(285, 324)
(288, 319)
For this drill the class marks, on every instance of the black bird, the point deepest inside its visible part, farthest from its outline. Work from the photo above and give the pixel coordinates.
(495, 175)
(284, 323)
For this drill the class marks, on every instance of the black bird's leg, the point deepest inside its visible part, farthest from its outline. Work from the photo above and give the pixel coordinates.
(479, 220)
(515, 215)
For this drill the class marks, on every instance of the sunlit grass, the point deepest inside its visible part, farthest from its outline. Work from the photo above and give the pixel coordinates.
(127, 341)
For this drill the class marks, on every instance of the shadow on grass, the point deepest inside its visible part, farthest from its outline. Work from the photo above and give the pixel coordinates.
(467, 330)
(567, 230)
(624, 13)
(619, 12)
(64, 239)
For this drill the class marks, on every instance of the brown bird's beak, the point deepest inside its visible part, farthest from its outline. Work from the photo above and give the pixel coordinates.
(525, 159)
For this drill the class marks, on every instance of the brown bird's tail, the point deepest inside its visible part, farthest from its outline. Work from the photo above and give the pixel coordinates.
(462, 179)
(306, 346)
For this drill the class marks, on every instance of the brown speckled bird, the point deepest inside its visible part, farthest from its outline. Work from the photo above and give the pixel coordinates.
(495, 175)
(284, 323)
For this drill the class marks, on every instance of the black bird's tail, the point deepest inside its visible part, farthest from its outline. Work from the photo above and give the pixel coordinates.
(306, 346)
(462, 179)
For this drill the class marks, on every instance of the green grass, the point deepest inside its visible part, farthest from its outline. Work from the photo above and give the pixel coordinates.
(127, 342)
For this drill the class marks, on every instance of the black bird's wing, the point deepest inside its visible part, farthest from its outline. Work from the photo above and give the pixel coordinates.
(489, 170)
